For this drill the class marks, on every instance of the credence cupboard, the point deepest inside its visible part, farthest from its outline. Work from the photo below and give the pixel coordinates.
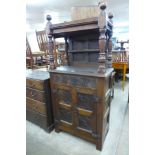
(81, 100)
(81, 90)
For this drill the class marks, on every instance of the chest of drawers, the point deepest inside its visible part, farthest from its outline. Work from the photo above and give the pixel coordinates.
(38, 99)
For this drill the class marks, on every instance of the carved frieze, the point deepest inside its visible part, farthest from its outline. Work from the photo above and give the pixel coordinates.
(75, 80)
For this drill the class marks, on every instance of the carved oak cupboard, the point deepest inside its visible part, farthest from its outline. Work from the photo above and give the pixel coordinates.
(81, 90)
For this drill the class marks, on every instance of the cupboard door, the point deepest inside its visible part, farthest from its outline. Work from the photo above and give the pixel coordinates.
(63, 103)
(85, 110)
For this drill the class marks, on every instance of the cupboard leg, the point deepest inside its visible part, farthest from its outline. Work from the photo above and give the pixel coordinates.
(99, 146)
(57, 130)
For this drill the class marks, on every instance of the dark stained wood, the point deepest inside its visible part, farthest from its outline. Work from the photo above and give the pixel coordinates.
(85, 35)
(36, 118)
(83, 50)
(35, 94)
(38, 99)
(81, 91)
(102, 38)
(89, 71)
(50, 42)
(37, 84)
(67, 28)
(36, 105)
(109, 41)
(100, 113)
(81, 102)
(74, 23)
(66, 59)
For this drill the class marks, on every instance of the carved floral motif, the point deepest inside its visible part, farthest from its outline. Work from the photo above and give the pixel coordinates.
(75, 80)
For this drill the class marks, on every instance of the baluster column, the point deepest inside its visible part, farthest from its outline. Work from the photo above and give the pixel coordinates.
(50, 42)
(102, 38)
(109, 35)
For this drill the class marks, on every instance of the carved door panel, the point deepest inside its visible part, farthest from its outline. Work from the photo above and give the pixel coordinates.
(85, 110)
(63, 102)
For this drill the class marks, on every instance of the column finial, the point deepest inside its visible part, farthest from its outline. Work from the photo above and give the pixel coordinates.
(102, 5)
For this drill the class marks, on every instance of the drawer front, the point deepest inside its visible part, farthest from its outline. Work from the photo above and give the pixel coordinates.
(36, 118)
(35, 94)
(35, 84)
(36, 106)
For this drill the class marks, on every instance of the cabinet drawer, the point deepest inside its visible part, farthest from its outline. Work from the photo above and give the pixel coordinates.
(36, 118)
(36, 84)
(35, 94)
(36, 105)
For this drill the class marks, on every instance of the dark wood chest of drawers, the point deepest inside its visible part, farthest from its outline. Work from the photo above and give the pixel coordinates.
(38, 99)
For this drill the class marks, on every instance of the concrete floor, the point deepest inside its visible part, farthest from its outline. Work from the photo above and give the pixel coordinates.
(116, 143)
(123, 144)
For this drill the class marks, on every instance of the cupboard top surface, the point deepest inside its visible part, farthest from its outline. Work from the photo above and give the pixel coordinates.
(37, 74)
(86, 71)
(77, 27)
(80, 22)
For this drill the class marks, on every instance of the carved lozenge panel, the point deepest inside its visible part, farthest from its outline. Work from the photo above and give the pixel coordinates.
(75, 80)
(86, 101)
(64, 95)
(65, 115)
(85, 122)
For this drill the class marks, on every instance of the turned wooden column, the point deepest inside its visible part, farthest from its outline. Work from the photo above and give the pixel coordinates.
(102, 38)
(109, 36)
(66, 52)
(50, 42)
(55, 53)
